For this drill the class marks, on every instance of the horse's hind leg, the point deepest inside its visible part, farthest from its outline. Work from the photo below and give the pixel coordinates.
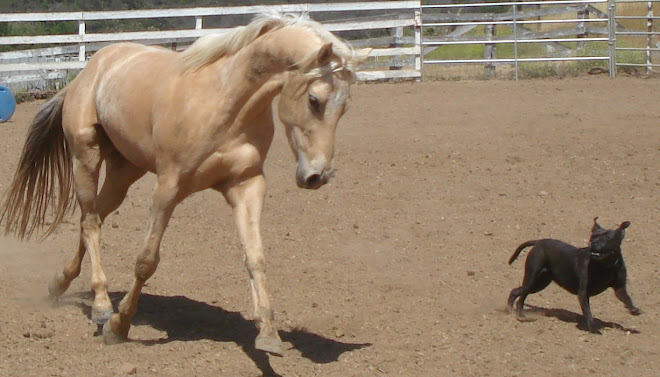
(94, 210)
(86, 164)
(120, 175)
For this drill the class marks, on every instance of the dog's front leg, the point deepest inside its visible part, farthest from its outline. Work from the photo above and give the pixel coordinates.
(583, 297)
(583, 292)
(622, 294)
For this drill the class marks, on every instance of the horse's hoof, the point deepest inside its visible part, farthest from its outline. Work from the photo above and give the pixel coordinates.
(101, 316)
(270, 343)
(111, 337)
(55, 288)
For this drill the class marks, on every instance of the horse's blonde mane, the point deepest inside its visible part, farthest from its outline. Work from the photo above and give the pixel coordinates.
(212, 47)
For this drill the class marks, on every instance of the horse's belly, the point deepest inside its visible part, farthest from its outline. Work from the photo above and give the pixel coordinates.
(128, 128)
(135, 147)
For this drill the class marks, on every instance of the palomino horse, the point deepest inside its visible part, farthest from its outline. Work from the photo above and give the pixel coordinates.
(198, 119)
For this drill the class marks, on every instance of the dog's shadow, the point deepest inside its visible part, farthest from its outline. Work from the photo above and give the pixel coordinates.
(183, 319)
(578, 319)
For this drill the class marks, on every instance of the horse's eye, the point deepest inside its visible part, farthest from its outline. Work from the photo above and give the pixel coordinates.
(314, 103)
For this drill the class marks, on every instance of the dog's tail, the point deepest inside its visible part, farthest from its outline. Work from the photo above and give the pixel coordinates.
(520, 248)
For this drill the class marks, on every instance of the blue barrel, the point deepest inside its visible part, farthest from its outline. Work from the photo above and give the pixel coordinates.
(7, 103)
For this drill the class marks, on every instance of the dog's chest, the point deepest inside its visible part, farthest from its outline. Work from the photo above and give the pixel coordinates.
(602, 276)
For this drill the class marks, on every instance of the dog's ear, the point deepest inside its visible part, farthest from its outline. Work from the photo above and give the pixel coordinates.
(596, 229)
(624, 225)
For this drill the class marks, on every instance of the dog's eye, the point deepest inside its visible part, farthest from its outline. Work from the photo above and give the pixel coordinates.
(315, 104)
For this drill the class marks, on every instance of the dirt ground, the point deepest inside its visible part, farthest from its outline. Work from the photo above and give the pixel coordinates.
(398, 266)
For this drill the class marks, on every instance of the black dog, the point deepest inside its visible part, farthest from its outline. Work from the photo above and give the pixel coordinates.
(584, 272)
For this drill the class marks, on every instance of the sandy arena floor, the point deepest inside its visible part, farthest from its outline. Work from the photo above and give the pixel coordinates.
(398, 266)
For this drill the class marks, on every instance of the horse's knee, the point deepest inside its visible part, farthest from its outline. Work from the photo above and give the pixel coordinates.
(89, 223)
(99, 284)
(255, 263)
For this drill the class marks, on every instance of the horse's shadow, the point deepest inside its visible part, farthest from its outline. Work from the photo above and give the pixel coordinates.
(184, 319)
(578, 319)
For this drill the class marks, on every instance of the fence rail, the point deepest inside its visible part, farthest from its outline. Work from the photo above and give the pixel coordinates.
(650, 48)
(516, 20)
(73, 58)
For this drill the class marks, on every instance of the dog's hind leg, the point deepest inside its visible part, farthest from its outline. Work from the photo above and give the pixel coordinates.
(534, 281)
(519, 310)
(515, 293)
(541, 280)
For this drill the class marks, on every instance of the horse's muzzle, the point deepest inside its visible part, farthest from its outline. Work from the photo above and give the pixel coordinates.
(313, 176)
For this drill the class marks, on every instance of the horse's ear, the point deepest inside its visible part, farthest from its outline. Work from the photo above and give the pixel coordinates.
(324, 55)
(360, 56)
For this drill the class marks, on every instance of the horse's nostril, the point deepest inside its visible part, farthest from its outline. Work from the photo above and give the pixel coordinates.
(313, 180)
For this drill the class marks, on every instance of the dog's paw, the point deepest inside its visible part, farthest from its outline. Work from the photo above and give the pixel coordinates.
(524, 318)
(591, 328)
(635, 311)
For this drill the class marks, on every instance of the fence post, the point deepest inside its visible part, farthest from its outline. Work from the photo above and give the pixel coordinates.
(81, 45)
(515, 42)
(611, 26)
(397, 34)
(419, 59)
(490, 50)
(649, 38)
(582, 13)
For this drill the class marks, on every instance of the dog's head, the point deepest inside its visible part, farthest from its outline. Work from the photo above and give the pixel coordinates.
(607, 242)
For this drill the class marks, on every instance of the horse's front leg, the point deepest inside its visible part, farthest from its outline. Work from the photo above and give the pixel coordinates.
(164, 199)
(246, 199)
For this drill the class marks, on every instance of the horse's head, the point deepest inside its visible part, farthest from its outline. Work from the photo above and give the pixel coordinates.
(313, 99)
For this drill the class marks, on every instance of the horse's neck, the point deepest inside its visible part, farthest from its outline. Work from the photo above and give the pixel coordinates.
(257, 74)
(271, 56)
(245, 83)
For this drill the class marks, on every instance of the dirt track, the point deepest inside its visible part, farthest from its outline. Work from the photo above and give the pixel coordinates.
(398, 266)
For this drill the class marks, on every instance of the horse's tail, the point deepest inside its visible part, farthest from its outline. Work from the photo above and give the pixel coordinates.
(520, 248)
(44, 172)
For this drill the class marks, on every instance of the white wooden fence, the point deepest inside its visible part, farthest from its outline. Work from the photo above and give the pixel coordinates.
(397, 55)
(402, 14)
